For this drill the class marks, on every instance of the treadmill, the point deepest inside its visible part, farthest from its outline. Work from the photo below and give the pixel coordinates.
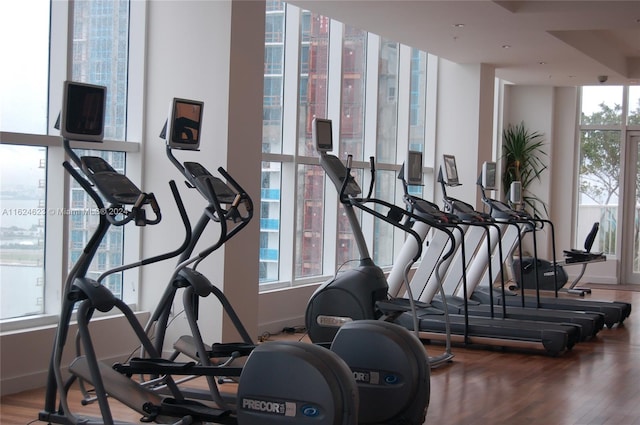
(346, 298)
(615, 312)
(591, 323)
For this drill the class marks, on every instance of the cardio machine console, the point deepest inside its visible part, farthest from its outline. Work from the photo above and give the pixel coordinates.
(115, 187)
(431, 211)
(501, 210)
(337, 172)
(198, 176)
(464, 211)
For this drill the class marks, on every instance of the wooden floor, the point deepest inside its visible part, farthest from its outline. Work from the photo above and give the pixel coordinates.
(598, 382)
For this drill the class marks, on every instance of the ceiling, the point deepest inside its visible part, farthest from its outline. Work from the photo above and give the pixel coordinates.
(559, 43)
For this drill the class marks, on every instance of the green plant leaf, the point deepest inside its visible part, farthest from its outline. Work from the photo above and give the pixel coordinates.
(523, 158)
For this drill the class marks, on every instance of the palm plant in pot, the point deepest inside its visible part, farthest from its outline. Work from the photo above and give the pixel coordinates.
(523, 161)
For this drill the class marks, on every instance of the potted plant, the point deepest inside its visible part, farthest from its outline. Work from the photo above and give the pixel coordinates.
(523, 161)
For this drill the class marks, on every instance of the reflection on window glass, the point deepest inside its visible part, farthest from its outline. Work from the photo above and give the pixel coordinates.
(24, 88)
(634, 105)
(100, 55)
(23, 214)
(270, 221)
(309, 221)
(601, 105)
(354, 61)
(83, 222)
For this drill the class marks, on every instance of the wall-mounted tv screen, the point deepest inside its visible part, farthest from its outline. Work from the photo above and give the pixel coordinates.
(489, 176)
(413, 169)
(184, 124)
(322, 133)
(83, 110)
(451, 170)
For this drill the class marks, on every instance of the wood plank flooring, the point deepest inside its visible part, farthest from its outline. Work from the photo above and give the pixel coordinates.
(597, 383)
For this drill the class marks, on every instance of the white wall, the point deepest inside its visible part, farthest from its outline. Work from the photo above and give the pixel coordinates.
(464, 124)
(25, 356)
(214, 52)
(188, 57)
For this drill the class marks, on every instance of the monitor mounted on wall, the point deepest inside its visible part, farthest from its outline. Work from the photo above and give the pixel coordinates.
(83, 111)
(184, 124)
(322, 134)
(451, 170)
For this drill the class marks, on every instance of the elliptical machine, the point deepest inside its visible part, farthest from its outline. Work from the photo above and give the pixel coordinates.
(326, 393)
(388, 365)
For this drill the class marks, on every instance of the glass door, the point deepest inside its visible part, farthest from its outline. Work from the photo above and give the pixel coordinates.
(631, 220)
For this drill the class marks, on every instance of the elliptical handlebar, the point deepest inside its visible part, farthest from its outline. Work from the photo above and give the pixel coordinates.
(345, 181)
(372, 161)
(185, 243)
(137, 214)
(226, 201)
(242, 197)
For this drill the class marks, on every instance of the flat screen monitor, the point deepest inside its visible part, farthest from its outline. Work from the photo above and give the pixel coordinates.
(489, 176)
(184, 124)
(83, 109)
(322, 133)
(413, 170)
(451, 170)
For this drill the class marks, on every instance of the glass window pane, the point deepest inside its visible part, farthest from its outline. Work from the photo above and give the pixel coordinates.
(314, 67)
(634, 105)
(347, 249)
(387, 123)
(383, 232)
(22, 223)
(354, 61)
(636, 218)
(83, 221)
(24, 37)
(273, 78)
(601, 105)
(417, 108)
(270, 222)
(309, 221)
(599, 181)
(100, 55)
(274, 24)
(418, 99)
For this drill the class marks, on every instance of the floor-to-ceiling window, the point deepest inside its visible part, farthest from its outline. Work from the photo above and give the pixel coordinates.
(37, 199)
(608, 170)
(319, 67)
